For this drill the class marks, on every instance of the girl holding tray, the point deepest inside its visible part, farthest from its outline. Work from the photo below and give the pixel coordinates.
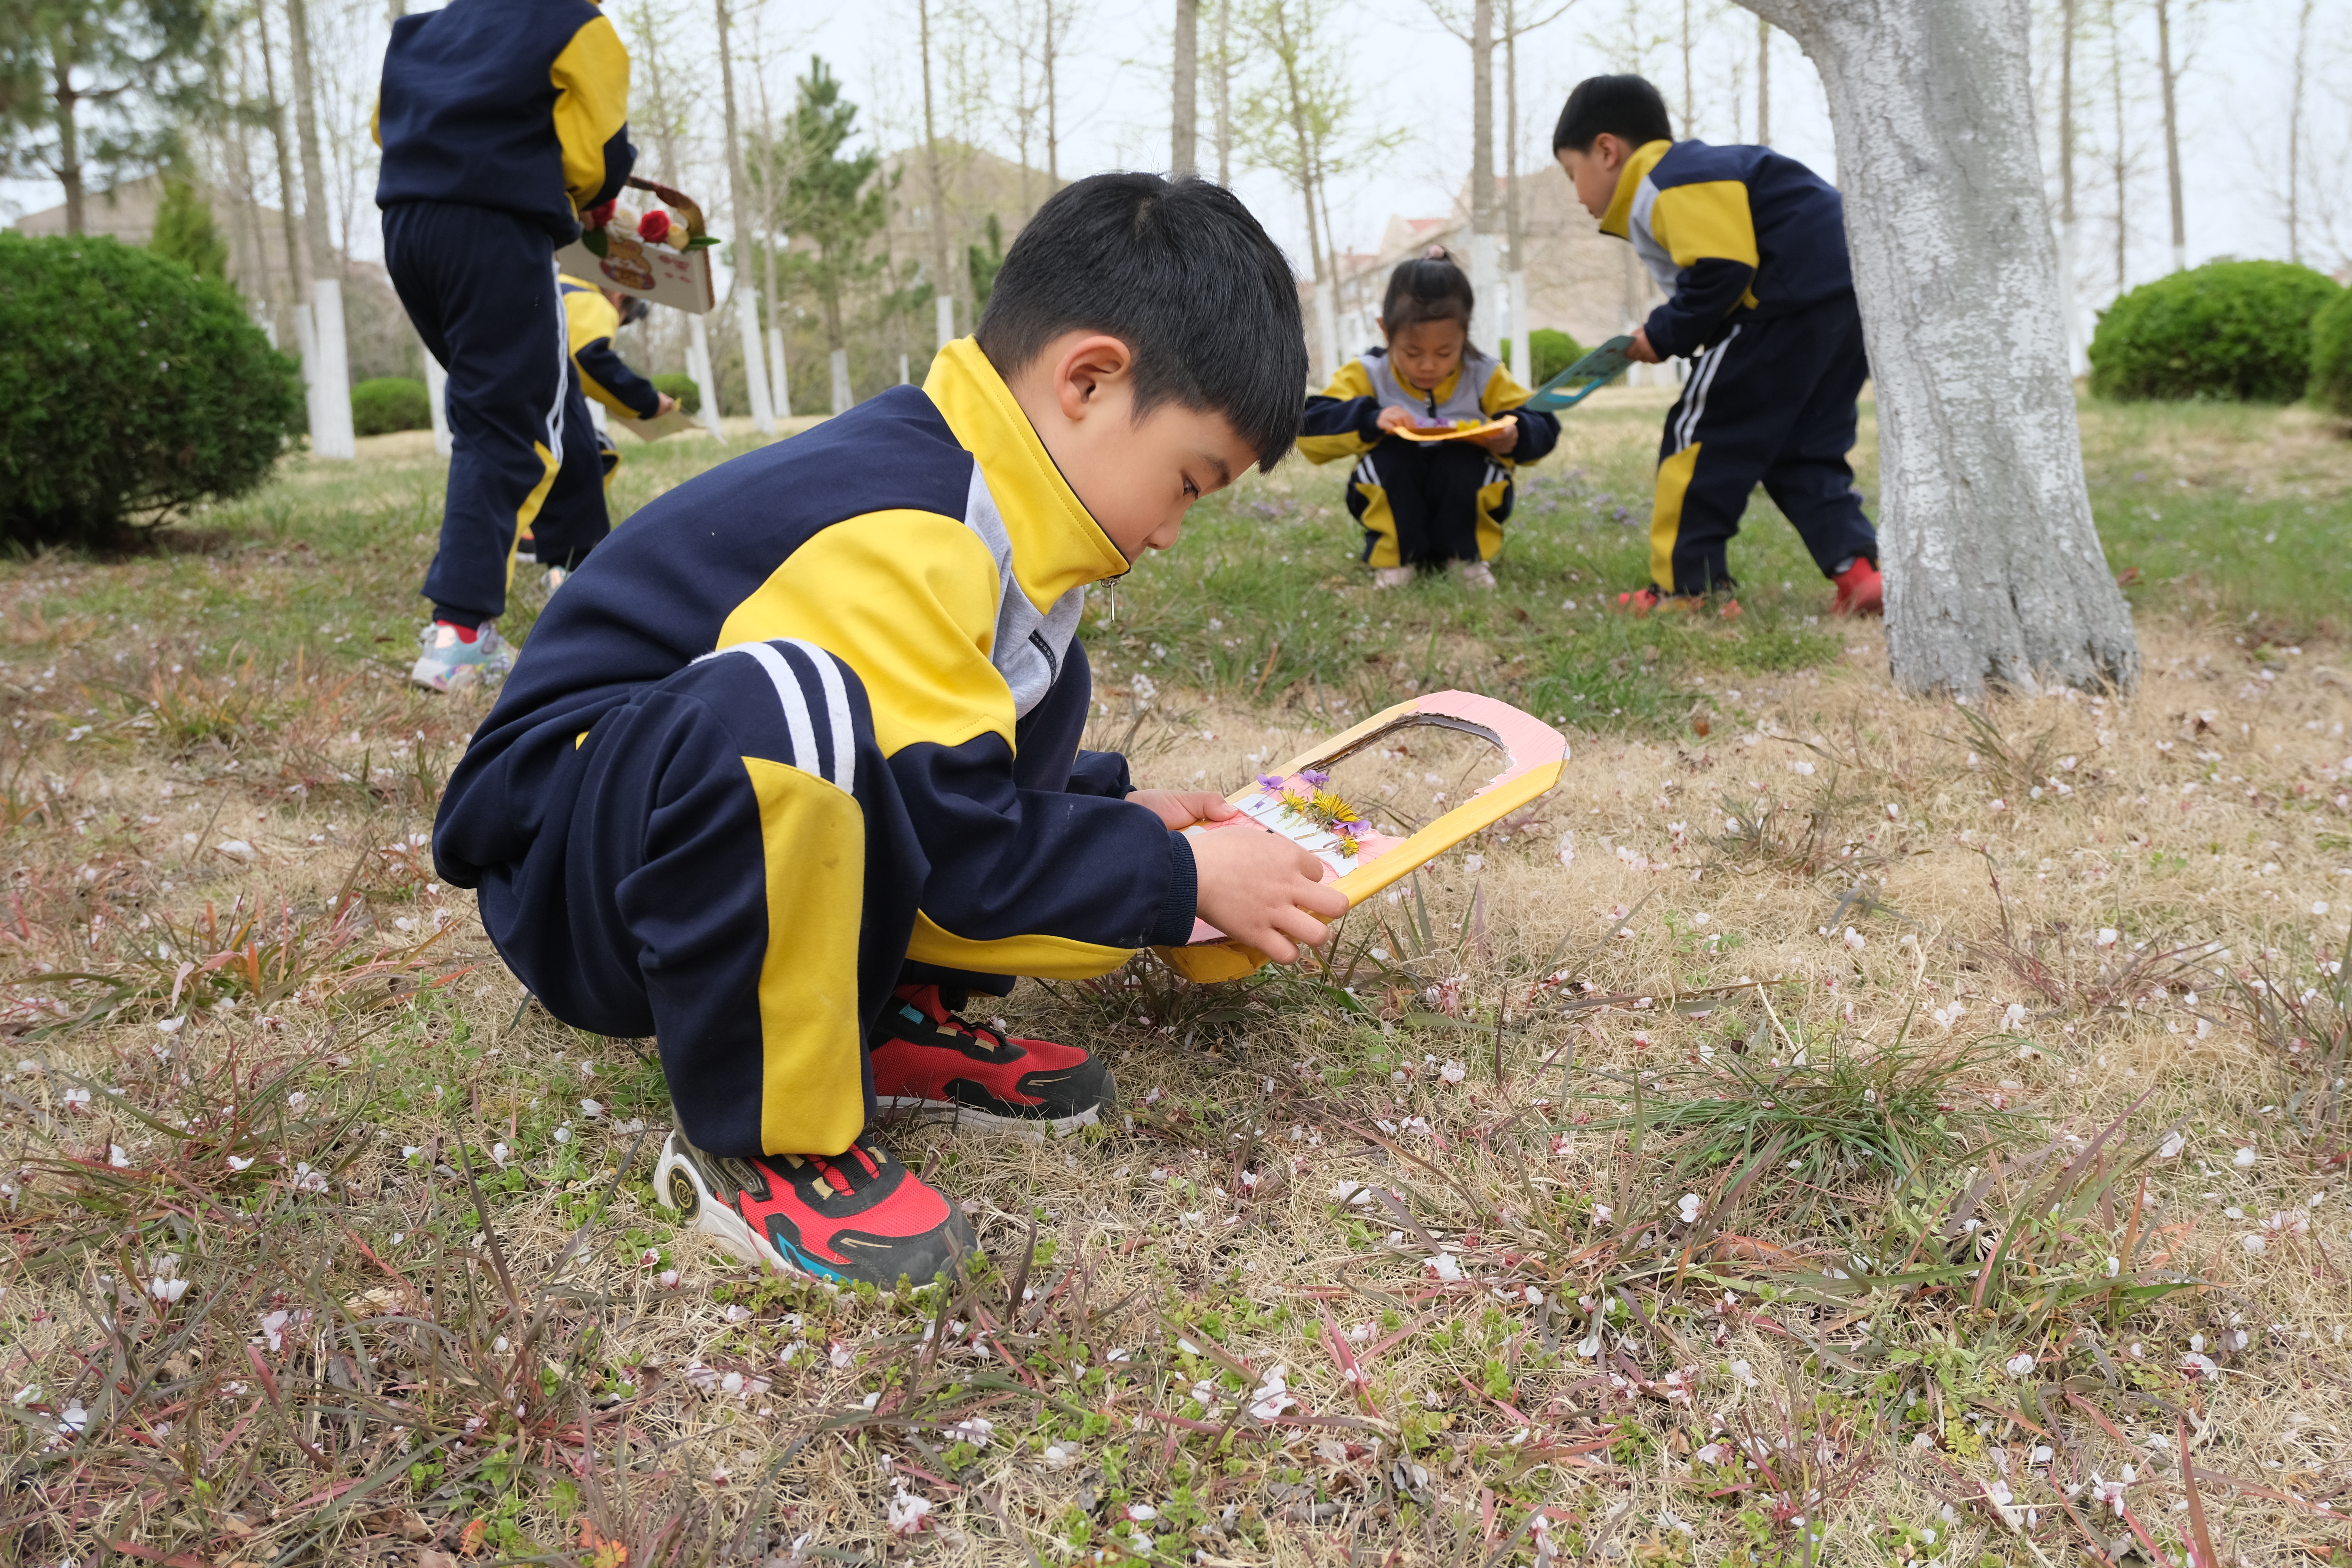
(1434, 427)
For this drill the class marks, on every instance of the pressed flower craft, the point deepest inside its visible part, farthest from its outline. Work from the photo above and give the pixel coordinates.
(1298, 803)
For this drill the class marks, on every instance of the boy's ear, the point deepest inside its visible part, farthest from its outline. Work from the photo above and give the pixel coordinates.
(1084, 370)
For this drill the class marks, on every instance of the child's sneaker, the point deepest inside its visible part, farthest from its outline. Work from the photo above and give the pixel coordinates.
(1861, 591)
(453, 658)
(555, 578)
(859, 1217)
(1476, 574)
(926, 1059)
(1642, 601)
(1391, 576)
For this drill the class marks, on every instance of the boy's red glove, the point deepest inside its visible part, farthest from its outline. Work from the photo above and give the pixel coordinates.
(597, 217)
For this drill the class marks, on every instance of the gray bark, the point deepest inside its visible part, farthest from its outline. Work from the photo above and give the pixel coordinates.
(2171, 131)
(1994, 570)
(747, 296)
(1763, 82)
(1184, 95)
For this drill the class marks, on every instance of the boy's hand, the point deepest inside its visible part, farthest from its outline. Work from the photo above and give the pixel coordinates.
(1640, 348)
(1501, 442)
(1395, 418)
(1263, 890)
(1183, 807)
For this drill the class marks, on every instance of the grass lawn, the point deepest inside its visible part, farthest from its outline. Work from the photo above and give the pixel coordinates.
(1829, 1127)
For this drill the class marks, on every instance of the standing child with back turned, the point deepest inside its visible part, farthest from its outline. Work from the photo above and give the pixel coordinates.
(1427, 505)
(1750, 247)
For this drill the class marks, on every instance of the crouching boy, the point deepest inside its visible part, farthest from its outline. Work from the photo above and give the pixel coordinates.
(791, 766)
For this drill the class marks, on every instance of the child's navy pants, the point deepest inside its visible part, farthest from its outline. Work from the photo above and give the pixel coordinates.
(1773, 404)
(574, 520)
(1427, 504)
(479, 284)
(726, 863)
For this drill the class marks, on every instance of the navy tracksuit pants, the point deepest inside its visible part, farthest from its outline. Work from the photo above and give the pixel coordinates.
(743, 796)
(479, 285)
(1773, 403)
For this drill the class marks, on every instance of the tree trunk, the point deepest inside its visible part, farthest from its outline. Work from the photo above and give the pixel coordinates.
(1523, 360)
(1184, 92)
(747, 297)
(1690, 92)
(2067, 312)
(297, 254)
(1224, 92)
(780, 386)
(1053, 110)
(1486, 272)
(2172, 134)
(68, 141)
(1994, 569)
(332, 433)
(1763, 82)
(944, 284)
(2294, 134)
(2121, 163)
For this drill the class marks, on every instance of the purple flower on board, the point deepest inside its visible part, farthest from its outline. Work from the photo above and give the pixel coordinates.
(1270, 783)
(1313, 780)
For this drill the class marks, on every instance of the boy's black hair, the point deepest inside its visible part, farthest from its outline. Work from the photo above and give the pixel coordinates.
(1427, 288)
(1626, 107)
(1180, 272)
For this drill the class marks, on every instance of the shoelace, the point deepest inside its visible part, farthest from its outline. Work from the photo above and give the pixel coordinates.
(832, 1173)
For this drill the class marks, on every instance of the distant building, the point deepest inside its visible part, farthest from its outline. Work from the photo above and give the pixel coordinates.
(382, 343)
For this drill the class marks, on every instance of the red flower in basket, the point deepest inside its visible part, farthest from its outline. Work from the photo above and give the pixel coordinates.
(596, 216)
(653, 228)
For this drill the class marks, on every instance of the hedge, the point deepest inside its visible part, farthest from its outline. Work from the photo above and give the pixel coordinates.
(2228, 330)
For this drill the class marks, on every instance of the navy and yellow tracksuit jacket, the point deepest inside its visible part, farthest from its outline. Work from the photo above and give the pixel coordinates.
(590, 321)
(517, 105)
(1728, 233)
(894, 597)
(1342, 421)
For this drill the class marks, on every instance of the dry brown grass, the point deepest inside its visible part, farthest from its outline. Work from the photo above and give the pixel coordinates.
(494, 1347)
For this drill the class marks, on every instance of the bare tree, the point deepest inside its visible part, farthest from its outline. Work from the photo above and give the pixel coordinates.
(2302, 67)
(1994, 570)
(1515, 26)
(332, 433)
(1184, 92)
(746, 298)
(1763, 82)
(1477, 29)
(1225, 74)
(2170, 78)
(943, 283)
(2073, 318)
(771, 177)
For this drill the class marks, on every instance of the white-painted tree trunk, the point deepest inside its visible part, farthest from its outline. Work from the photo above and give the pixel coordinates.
(436, 394)
(331, 412)
(1327, 327)
(1487, 283)
(779, 380)
(755, 369)
(698, 365)
(842, 400)
(944, 305)
(1523, 357)
(1993, 568)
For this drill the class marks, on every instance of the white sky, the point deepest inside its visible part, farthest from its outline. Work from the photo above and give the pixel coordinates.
(1415, 76)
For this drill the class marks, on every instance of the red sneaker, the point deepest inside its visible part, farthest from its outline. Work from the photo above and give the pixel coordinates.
(925, 1057)
(1642, 601)
(1861, 591)
(859, 1217)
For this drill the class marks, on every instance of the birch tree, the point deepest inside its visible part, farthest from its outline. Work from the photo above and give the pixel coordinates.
(1994, 570)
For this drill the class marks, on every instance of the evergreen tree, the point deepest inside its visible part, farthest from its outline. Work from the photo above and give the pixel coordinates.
(184, 230)
(835, 204)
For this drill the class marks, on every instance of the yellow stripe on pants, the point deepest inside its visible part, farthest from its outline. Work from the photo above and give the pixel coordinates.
(1666, 514)
(811, 1064)
(528, 511)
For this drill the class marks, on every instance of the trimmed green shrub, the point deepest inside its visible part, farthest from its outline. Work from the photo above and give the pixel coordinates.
(135, 388)
(2331, 355)
(390, 402)
(1553, 352)
(2228, 330)
(680, 385)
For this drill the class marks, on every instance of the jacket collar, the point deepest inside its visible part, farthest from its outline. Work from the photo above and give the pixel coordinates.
(1056, 543)
(1629, 180)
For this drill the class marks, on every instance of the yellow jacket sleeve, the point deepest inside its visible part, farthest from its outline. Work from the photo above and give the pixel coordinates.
(592, 112)
(1343, 419)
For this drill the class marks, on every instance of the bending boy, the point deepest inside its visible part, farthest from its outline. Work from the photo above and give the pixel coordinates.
(1749, 246)
(792, 763)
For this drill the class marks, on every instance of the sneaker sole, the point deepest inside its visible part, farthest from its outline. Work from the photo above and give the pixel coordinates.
(953, 1114)
(679, 1187)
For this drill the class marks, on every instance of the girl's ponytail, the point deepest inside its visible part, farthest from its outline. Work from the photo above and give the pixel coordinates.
(1428, 287)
